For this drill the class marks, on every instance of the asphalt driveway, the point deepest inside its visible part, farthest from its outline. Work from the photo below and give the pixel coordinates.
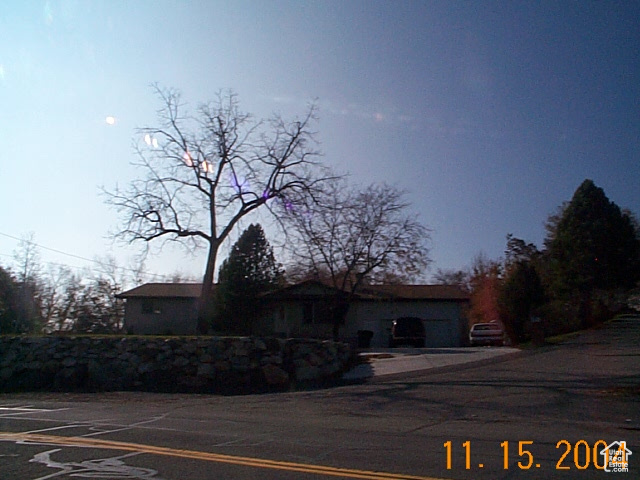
(379, 362)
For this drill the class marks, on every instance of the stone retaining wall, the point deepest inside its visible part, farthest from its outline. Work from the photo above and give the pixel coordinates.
(178, 364)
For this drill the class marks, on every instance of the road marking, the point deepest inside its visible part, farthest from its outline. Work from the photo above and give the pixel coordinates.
(112, 467)
(28, 409)
(9, 411)
(63, 427)
(206, 456)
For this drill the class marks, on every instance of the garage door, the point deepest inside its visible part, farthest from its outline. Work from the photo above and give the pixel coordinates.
(439, 333)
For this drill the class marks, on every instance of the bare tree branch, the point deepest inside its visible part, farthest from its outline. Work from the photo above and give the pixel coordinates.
(355, 237)
(203, 174)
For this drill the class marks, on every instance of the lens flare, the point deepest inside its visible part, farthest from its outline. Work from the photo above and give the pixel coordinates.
(151, 141)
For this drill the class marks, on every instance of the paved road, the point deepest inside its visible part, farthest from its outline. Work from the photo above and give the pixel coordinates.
(392, 427)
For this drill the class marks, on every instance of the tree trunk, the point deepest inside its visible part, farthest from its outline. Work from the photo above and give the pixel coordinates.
(205, 309)
(340, 311)
(585, 309)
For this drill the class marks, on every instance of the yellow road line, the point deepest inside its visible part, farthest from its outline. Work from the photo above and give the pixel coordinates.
(206, 456)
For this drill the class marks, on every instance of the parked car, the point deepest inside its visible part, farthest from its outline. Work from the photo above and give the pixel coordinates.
(407, 331)
(486, 334)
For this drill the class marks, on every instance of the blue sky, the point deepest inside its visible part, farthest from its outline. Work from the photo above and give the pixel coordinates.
(490, 114)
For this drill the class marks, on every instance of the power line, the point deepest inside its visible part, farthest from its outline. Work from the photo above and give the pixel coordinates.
(103, 265)
(47, 248)
(57, 264)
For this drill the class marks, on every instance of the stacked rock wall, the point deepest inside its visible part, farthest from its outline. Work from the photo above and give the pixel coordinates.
(177, 364)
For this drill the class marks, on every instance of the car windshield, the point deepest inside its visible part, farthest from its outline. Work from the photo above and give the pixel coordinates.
(486, 327)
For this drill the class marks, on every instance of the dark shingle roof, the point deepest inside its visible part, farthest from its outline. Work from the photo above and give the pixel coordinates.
(367, 292)
(380, 292)
(416, 292)
(164, 290)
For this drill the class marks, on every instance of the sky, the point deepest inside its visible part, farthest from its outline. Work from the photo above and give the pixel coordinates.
(489, 114)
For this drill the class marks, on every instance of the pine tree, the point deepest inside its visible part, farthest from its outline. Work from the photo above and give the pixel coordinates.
(9, 309)
(250, 270)
(521, 293)
(592, 245)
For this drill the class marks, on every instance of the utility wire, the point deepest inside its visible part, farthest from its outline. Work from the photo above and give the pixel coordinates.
(98, 262)
(47, 248)
(57, 264)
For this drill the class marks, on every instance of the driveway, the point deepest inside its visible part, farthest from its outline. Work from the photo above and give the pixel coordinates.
(391, 361)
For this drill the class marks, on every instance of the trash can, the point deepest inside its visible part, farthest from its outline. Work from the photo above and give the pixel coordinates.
(364, 338)
(537, 331)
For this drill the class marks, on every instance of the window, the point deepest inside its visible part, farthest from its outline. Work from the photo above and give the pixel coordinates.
(307, 312)
(322, 313)
(316, 312)
(150, 306)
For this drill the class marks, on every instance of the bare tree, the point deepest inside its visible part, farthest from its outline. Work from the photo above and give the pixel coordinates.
(54, 292)
(27, 260)
(179, 277)
(356, 237)
(485, 281)
(459, 278)
(106, 283)
(204, 173)
(71, 291)
(85, 302)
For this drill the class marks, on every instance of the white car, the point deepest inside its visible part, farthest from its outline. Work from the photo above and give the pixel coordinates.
(486, 334)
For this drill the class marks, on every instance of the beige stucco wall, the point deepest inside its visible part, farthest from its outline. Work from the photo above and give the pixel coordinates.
(288, 322)
(178, 316)
(444, 321)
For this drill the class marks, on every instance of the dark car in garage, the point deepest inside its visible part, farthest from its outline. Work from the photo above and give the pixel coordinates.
(407, 331)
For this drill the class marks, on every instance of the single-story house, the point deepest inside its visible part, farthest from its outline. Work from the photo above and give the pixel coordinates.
(162, 309)
(303, 310)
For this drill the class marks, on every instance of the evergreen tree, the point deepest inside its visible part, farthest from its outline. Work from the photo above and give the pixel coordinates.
(9, 311)
(520, 295)
(249, 270)
(591, 245)
(521, 291)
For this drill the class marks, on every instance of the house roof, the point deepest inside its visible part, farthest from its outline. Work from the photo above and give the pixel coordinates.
(417, 292)
(312, 288)
(307, 288)
(164, 290)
